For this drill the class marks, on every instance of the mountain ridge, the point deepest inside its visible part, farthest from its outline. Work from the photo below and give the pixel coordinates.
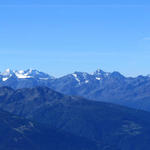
(100, 86)
(96, 72)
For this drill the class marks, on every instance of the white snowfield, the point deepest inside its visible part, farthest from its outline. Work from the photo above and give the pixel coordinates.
(21, 74)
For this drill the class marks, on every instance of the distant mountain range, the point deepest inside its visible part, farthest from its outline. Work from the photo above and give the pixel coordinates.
(90, 125)
(100, 86)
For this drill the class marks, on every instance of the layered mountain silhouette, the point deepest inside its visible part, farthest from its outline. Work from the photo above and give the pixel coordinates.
(100, 86)
(110, 126)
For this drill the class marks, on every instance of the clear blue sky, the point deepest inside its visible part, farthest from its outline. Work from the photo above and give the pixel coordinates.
(61, 37)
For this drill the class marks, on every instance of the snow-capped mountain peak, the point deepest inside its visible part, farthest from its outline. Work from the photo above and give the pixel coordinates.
(21, 71)
(98, 71)
(99, 74)
(81, 77)
(7, 72)
(21, 74)
(76, 78)
(38, 74)
(24, 74)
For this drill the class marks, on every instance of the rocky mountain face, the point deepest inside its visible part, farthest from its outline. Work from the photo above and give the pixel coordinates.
(100, 86)
(107, 87)
(110, 126)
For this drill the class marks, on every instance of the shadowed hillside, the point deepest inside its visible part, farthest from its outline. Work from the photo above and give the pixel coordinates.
(109, 125)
